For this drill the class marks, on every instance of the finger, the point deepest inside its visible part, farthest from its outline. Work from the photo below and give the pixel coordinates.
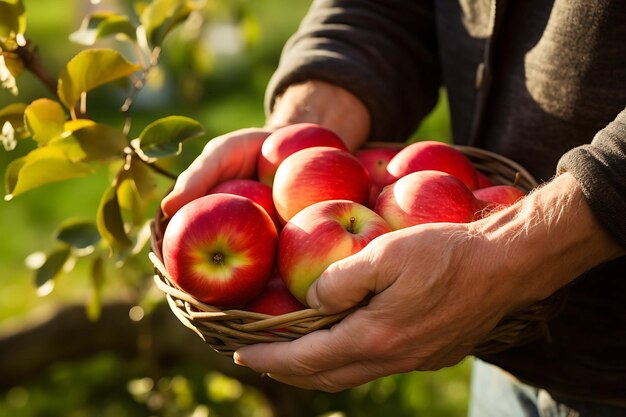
(346, 283)
(218, 161)
(317, 351)
(189, 186)
(345, 377)
(361, 372)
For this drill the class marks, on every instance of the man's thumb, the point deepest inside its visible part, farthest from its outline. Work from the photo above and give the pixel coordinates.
(343, 285)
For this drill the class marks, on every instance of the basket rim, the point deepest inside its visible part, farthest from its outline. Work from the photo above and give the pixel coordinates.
(206, 312)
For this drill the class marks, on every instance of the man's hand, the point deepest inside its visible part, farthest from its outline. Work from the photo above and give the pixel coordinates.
(229, 156)
(437, 290)
(429, 308)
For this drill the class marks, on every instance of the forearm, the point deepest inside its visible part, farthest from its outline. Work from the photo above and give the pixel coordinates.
(542, 243)
(326, 104)
(385, 53)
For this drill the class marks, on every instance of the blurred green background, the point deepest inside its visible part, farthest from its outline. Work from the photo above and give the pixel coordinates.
(220, 81)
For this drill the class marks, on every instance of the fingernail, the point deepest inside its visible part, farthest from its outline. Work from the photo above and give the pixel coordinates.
(237, 359)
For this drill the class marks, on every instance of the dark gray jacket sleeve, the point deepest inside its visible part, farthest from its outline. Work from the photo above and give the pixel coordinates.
(384, 52)
(600, 168)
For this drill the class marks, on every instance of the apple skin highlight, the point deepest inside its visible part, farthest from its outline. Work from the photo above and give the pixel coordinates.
(433, 155)
(288, 140)
(317, 174)
(427, 197)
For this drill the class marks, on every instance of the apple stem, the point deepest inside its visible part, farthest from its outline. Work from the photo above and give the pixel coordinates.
(351, 226)
(218, 259)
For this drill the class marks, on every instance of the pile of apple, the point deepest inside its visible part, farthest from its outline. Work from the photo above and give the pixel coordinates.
(258, 244)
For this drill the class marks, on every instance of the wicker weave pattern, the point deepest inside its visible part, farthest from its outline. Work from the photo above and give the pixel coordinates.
(227, 330)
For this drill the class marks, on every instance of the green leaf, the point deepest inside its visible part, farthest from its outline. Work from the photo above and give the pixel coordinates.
(136, 188)
(98, 276)
(78, 233)
(12, 125)
(110, 222)
(11, 67)
(40, 167)
(90, 69)
(51, 269)
(90, 141)
(161, 16)
(11, 174)
(68, 144)
(101, 24)
(144, 179)
(7, 78)
(163, 137)
(14, 113)
(130, 201)
(12, 22)
(44, 119)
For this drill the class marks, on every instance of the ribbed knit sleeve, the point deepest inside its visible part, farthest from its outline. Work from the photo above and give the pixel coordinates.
(384, 52)
(600, 168)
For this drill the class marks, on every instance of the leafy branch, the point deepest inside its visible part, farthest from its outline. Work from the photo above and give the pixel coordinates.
(31, 58)
(71, 144)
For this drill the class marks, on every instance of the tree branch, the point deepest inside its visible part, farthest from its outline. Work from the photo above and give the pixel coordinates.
(153, 166)
(29, 55)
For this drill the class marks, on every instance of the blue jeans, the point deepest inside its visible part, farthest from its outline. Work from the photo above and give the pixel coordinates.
(495, 393)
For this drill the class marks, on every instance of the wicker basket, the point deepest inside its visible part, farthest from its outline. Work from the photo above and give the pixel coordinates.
(227, 330)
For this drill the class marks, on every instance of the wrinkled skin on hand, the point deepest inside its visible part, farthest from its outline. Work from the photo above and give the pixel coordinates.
(419, 315)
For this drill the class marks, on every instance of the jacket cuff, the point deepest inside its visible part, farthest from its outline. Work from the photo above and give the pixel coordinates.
(600, 169)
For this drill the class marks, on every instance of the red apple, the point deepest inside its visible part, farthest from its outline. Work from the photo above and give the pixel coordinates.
(254, 190)
(288, 140)
(220, 249)
(375, 191)
(427, 197)
(317, 174)
(483, 181)
(275, 299)
(321, 234)
(432, 155)
(375, 161)
(497, 197)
